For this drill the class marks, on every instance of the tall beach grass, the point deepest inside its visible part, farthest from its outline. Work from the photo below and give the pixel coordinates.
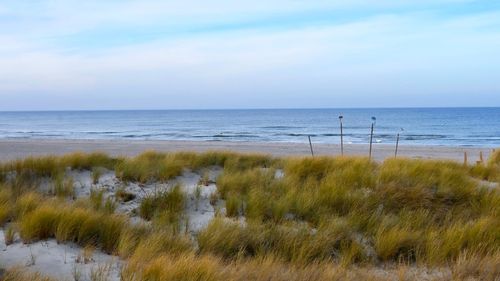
(322, 218)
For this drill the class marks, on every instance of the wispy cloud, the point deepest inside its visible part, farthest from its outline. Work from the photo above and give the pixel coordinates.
(165, 54)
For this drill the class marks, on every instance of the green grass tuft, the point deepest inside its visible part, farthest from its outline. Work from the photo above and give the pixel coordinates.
(63, 186)
(171, 201)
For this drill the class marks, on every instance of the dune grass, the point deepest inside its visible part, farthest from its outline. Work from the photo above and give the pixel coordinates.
(152, 166)
(161, 242)
(26, 203)
(130, 239)
(9, 234)
(50, 166)
(24, 175)
(5, 205)
(149, 166)
(70, 224)
(490, 170)
(296, 243)
(402, 208)
(208, 267)
(171, 202)
(168, 268)
(63, 186)
(318, 212)
(20, 274)
(89, 161)
(96, 174)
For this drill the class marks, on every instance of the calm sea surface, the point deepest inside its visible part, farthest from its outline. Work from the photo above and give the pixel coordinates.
(418, 126)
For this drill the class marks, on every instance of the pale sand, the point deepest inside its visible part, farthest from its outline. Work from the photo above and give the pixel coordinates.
(60, 260)
(14, 149)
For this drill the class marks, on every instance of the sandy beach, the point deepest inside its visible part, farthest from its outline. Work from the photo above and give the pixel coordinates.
(15, 149)
(200, 203)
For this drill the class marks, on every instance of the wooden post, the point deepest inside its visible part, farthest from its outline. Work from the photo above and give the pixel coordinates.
(481, 157)
(310, 145)
(341, 136)
(465, 158)
(397, 144)
(371, 137)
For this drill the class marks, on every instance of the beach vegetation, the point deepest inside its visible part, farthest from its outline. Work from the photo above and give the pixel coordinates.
(150, 166)
(96, 174)
(21, 274)
(26, 203)
(10, 234)
(161, 242)
(130, 239)
(154, 166)
(89, 161)
(489, 171)
(109, 205)
(69, 224)
(96, 198)
(5, 205)
(323, 218)
(205, 179)
(170, 202)
(63, 186)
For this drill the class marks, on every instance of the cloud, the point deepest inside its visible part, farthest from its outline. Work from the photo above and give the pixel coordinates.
(410, 58)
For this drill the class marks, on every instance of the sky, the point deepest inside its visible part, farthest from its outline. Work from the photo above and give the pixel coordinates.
(131, 54)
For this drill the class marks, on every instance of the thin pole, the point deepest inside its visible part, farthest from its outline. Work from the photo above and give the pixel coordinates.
(397, 144)
(371, 137)
(311, 146)
(341, 136)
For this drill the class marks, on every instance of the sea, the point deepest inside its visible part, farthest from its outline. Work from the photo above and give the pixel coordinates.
(416, 126)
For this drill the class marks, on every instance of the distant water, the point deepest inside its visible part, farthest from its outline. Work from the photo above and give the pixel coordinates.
(422, 126)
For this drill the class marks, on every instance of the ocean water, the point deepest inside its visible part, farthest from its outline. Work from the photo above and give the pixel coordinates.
(417, 126)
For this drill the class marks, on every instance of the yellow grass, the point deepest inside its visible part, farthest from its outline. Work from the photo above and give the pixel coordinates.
(70, 224)
(171, 202)
(149, 166)
(20, 274)
(5, 205)
(325, 219)
(63, 186)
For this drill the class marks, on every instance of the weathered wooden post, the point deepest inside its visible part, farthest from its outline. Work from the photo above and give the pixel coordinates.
(481, 157)
(371, 136)
(341, 136)
(310, 145)
(465, 158)
(397, 144)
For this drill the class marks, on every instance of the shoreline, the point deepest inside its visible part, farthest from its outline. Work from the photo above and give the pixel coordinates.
(20, 148)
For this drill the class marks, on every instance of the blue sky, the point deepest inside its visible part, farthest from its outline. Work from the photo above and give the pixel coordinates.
(119, 54)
